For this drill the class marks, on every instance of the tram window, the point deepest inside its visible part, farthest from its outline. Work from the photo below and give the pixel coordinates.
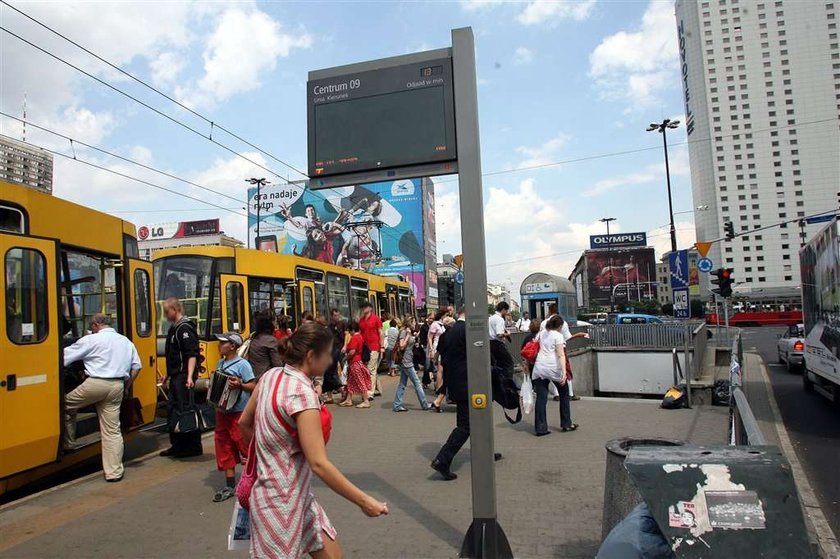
(321, 300)
(358, 295)
(310, 275)
(84, 293)
(186, 278)
(290, 306)
(142, 304)
(372, 296)
(130, 247)
(11, 220)
(235, 308)
(26, 296)
(338, 288)
(307, 300)
(383, 302)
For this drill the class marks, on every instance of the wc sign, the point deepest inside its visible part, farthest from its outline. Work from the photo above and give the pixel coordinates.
(678, 268)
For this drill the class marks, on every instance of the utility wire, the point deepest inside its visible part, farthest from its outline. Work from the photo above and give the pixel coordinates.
(212, 123)
(151, 108)
(120, 157)
(129, 177)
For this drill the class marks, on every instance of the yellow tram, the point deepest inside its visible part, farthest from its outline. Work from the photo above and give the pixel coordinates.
(221, 289)
(62, 263)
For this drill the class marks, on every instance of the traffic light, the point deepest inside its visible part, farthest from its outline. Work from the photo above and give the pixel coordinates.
(723, 279)
(450, 292)
(729, 230)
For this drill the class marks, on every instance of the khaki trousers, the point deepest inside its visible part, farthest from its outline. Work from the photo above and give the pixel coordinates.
(373, 367)
(107, 395)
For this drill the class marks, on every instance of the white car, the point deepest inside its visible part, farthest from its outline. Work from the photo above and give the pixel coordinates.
(791, 348)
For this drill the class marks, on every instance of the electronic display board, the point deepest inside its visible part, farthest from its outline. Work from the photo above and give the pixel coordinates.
(387, 114)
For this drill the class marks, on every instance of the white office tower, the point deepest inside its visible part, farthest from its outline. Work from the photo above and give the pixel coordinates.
(761, 81)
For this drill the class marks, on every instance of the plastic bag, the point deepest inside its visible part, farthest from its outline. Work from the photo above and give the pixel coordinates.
(674, 398)
(239, 535)
(526, 392)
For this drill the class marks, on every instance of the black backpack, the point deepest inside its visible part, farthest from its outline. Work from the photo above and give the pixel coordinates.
(506, 394)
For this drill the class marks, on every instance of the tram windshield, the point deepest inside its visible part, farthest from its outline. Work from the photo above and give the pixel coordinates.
(189, 279)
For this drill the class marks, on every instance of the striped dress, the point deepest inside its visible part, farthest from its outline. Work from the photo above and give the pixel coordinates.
(286, 520)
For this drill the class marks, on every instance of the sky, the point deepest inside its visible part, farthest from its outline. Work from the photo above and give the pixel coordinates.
(566, 91)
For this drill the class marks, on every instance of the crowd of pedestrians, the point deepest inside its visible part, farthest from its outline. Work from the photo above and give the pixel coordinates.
(278, 423)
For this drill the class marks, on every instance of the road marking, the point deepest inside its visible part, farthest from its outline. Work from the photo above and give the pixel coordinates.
(826, 540)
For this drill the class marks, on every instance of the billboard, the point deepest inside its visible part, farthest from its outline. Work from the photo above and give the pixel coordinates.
(619, 240)
(632, 273)
(179, 230)
(430, 243)
(378, 228)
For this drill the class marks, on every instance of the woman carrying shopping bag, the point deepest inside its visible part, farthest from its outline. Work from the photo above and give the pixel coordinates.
(550, 368)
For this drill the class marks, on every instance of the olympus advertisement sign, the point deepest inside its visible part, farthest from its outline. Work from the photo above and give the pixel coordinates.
(619, 240)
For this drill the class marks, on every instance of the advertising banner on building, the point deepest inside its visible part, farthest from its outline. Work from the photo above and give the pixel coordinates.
(630, 272)
(430, 244)
(178, 230)
(617, 240)
(376, 227)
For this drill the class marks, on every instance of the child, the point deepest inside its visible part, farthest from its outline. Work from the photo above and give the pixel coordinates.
(230, 448)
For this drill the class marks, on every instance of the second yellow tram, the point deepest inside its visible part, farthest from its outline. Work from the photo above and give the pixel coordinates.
(221, 289)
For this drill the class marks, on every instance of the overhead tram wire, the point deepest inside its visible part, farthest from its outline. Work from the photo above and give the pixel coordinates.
(126, 176)
(151, 108)
(212, 123)
(122, 158)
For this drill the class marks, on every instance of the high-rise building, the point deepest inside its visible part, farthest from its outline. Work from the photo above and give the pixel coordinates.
(761, 81)
(26, 164)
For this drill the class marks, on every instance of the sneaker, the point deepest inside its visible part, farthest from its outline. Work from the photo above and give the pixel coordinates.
(400, 409)
(224, 494)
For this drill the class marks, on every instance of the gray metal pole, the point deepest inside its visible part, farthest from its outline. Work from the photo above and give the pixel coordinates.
(726, 319)
(485, 539)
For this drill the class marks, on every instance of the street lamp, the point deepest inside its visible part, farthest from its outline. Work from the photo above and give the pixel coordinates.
(662, 128)
(607, 220)
(259, 183)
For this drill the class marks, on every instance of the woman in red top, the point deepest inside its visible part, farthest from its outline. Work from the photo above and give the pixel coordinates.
(281, 327)
(358, 376)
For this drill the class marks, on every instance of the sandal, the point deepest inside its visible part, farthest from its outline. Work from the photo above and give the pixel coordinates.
(572, 428)
(363, 406)
(223, 494)
(346, 404)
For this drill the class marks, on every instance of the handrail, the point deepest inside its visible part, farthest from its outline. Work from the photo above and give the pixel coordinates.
(743, 427)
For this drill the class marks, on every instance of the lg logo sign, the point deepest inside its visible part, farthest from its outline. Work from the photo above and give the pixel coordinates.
(153, 232)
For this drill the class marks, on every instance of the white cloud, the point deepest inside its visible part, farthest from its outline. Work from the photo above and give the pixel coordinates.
(523, 55)
(542, 154)
(228, 176)
(167, 67)
(679, 167)
(636, 66)
(504, 208)
(477, 5)
(551, 12)
(245, 44)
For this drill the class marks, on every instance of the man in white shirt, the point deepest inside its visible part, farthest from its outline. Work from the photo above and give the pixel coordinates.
(524, 322)
(111, 364)
(499, 354)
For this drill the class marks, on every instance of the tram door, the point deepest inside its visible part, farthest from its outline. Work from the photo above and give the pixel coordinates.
(235, 304)
(141, 322)
(307, 298)
(30, 333)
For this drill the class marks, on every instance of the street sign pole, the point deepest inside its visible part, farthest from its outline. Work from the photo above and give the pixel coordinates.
(485, 539)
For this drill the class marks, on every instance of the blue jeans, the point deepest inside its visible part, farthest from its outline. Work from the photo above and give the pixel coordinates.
(540, 416)
(406, 374)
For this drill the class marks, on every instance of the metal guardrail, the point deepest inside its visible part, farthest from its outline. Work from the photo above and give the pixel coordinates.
(743, 427)
(657, 336)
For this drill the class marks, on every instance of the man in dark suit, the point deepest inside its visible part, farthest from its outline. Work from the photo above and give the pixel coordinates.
(452, 348)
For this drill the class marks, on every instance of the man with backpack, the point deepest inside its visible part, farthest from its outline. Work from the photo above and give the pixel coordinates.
(452, 348)
(182, 359)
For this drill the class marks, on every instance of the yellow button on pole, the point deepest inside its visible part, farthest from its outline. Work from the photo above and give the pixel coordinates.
(479, 401)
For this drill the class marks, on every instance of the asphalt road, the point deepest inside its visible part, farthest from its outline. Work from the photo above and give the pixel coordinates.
(811, 420)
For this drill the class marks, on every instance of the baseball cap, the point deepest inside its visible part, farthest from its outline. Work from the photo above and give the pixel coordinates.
(232, 337)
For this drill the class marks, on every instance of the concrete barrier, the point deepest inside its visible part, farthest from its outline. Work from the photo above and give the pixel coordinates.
(620, 495)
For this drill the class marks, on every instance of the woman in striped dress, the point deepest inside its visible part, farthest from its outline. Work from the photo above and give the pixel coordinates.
(286, 520)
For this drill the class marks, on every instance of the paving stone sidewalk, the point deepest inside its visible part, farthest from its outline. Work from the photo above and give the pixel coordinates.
(550, 489)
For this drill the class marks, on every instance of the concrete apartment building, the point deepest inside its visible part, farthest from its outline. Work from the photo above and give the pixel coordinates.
(761, 81)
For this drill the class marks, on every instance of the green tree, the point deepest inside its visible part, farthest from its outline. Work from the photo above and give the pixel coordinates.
(668, 309)
(697, 309)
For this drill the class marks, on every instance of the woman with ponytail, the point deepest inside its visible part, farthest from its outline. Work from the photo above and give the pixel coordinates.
(285, 418)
